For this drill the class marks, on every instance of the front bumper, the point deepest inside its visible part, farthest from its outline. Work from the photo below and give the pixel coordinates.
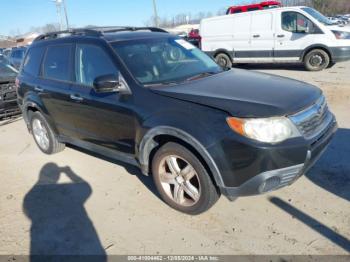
(9, 108)
(340, 54)
(274, 179)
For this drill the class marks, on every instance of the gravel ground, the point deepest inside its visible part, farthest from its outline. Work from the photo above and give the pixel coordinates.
(75, 203)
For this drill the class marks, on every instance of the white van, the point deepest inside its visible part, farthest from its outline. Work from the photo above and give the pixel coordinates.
(287, 34)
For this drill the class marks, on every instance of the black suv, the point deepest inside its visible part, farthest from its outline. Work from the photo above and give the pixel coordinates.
(153, 100)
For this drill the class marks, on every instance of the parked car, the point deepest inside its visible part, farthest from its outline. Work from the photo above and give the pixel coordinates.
(253, 7)
(194, 38)
(3, 59)
(288, 34)
(16, 56)
(335, 21)
(8, 96)
(6, 52)
(153, 100)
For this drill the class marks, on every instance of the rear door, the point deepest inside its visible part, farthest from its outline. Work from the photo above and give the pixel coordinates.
(54, 87)
(262, 36)
(241, 35)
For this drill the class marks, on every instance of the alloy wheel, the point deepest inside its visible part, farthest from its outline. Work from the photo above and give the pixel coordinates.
(179, 180)
(40, 134)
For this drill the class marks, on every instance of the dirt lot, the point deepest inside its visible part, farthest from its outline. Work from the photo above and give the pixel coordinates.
(103, 207)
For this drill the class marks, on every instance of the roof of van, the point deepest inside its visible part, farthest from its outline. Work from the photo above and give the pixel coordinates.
(229, 16)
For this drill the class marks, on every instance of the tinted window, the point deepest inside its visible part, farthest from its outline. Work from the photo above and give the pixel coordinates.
(253, 8)
(236, 11)
(56, 65)
(297, 23)
(18, 54)
(31, 64)
(91, 62)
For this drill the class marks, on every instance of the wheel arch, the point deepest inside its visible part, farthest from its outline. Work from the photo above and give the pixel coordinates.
(317, 46)
(31, 104)
(158, 136)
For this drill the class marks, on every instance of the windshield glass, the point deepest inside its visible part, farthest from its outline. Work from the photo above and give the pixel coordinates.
(317, 15)
(7, 70)
(165, 60)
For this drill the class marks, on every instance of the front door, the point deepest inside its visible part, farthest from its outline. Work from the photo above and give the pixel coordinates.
(294, 33)
(103, 119)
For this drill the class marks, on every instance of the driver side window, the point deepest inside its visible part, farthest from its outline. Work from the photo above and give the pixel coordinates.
(297, 23)
(91, 62)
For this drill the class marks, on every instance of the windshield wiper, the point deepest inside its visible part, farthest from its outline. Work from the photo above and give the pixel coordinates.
(200, 75)
(166, 83)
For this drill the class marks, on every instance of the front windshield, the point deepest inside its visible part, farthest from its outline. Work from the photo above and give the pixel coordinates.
(7, 70)
(317, 15)
(164, 60)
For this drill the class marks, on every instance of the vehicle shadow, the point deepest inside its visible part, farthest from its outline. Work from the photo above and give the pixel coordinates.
(132, 170)
(60, 224)
(276, 66)
(322, 229)
(332, 171)
(10, 120)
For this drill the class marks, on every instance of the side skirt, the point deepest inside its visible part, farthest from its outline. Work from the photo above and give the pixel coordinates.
(109, 153)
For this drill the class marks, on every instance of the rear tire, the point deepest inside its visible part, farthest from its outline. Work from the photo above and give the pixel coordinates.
(223, 60)
(182, 181)
(43, 134)
(316, 60)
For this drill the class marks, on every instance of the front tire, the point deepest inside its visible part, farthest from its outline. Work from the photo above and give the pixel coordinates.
(43, 134)
(316, 60)
(182, 181)
(223, 60)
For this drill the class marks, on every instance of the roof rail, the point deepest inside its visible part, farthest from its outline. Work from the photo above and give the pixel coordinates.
(95, 31)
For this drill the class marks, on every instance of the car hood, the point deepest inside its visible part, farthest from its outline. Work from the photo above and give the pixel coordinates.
(242, 93)
(339, 28)
(6, 79)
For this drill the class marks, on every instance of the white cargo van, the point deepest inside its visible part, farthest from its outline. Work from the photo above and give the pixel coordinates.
(287, 34)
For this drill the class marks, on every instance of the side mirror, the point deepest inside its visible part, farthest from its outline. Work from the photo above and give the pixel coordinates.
(106, 84)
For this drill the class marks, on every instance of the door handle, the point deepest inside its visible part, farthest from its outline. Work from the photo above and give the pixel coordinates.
(280, 36)
(38, 89)
(256, 36)
(76, 98)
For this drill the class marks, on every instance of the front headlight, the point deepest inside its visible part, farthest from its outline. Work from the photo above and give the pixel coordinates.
(341, 34)
(267, 130)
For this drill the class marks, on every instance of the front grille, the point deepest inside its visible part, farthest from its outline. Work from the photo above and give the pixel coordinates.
(314, 120)
(8, 92)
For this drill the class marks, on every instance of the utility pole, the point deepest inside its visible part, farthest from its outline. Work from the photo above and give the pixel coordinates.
(65, 13)
(59, 13)
(155, 13)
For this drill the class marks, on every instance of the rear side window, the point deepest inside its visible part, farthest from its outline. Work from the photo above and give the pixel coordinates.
(31, 64)
(253, 9)
(236, 11)
(57, 63)
(91, 62)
